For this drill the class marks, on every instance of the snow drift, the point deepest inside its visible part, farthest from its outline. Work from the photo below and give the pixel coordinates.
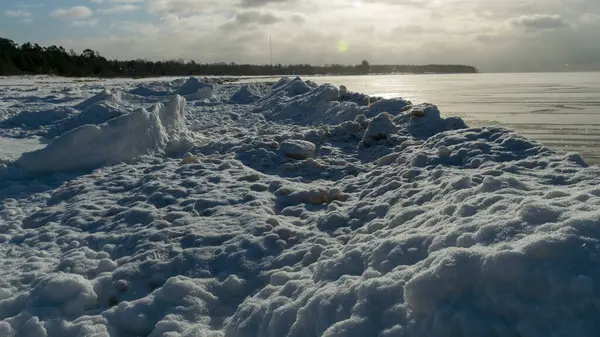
(301, 215)
(192, 89)
(248, 93)
(121, 139)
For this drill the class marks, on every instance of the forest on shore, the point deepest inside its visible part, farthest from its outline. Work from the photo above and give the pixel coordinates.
(33, 59)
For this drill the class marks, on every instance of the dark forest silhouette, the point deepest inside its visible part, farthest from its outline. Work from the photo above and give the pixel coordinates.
(33, 59)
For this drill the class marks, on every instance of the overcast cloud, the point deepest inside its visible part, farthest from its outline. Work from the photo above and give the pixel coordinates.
(507, 35)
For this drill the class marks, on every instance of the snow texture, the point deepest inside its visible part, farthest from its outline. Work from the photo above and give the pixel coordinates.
(298, 149)
(121, 139)
(293, 214)
(248, 93)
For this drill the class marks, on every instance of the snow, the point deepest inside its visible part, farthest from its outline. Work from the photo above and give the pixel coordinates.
(12, 148)
(248, 93)
(286, 210)
(121, 139)
(298, 149)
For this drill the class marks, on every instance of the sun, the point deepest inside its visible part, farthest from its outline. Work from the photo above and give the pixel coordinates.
(343, 46)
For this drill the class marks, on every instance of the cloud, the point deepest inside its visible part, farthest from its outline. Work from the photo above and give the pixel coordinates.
(539, 21)
(590, 18)
(77, 12)
(298, 18)
(415, 3)
(414, 29)
(117, 1)
(261, 3)
(19, 13)
(176, 6)
(84, 23)
(251, 19)
(187, 7)
(491, 35)
(118, 9)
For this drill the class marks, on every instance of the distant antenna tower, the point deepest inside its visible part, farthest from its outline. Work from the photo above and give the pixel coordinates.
(270, 50)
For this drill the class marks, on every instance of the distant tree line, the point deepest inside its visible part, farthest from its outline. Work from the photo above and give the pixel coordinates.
(33, 59)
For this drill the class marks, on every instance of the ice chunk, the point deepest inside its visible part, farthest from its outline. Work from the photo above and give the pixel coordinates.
(392, 106)
(292, 87)
(297, 149)
(248, 93)
(381, 127)
(191, 86)
(117, 97)
(309, 108)
(200, 94)
(425, 121)
(122, 139)
(147, 91)
(71, 293)
(95, 114)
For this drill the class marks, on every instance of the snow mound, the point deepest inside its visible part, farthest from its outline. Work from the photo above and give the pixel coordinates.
(107, 95)
(380, 128)
(308, 108)
(192, 89)
(95, 114)
(70, 293)
(297, 215)
(392, 106)
(297, 149)
(354, 97)
(37, 118)
(121, 139)
(205, 93)
(192, 86)
(296, 87)
(425, 120)
(293, 87)
(247, 94)
(149, 91)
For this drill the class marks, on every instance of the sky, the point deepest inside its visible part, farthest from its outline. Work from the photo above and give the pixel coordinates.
(493, 35)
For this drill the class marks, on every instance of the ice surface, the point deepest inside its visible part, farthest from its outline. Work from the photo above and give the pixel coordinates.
(13, 148)
(296, 213)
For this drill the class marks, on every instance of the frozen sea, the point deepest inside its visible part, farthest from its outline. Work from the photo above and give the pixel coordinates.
(562, 110)
(186, 208)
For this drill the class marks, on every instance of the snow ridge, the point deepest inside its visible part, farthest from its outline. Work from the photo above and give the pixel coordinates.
(290, 210)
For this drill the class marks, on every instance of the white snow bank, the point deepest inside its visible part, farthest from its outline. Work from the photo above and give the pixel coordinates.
(434, 229)
(248, 93)
(191, 86)
(424, 121)
(107, 95)
(149, 91)
(310, 107)
(392, 106)
(122, 139)
(193, 89)
(381, 127)
(95, 114)
(37, 118)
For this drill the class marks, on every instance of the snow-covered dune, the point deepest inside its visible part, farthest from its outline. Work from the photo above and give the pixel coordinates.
(289, 209)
